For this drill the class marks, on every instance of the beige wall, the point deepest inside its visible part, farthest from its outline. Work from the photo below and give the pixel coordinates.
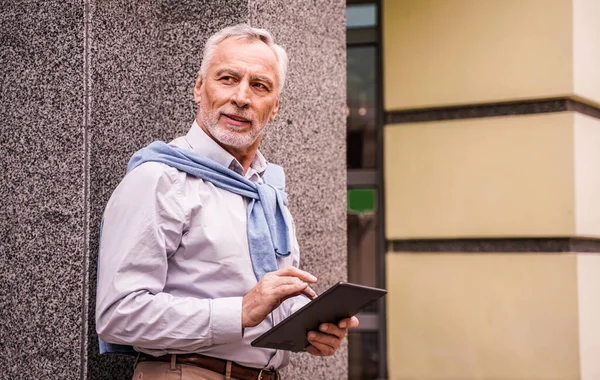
(588, 291)
(441, 52)
(519, 176)
(447, 52)
(483, 316)
(586, 50)
(492, 316)
(491, 177)
(587, 176)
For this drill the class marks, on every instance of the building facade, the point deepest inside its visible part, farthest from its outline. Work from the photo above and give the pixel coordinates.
(492, 182)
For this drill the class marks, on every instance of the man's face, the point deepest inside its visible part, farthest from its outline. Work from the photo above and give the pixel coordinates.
(239, 94)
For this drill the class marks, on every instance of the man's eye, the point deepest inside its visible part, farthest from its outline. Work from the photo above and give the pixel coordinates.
(226, 79)
(260, 86)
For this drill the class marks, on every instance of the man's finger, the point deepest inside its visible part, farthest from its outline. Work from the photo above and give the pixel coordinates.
(286, 291)
(308, 292)
(326, 344)
(349, 323)
(295, 272)
(286, 280)
(325, 339)
(303, 287)
(331, 329)
(313, 350)
(283, 280)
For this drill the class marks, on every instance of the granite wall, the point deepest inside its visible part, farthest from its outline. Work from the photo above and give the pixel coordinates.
(84, 85)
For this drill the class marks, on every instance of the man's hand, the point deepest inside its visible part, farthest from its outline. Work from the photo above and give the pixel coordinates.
(272, 290)
(327, 342)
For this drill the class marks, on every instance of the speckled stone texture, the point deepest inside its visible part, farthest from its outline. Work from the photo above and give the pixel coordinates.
(309, 140)
(42, 189)
(84, 85)
(144, 60)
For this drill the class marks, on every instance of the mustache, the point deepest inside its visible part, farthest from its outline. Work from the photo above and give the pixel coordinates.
(237, 113)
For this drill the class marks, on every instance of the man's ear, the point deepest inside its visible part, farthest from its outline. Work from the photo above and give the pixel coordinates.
(274, 111)
(197, 88)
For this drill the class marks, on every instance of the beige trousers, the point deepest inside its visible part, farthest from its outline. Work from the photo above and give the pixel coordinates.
(167, 371)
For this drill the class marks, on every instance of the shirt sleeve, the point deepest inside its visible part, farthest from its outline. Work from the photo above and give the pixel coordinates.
(142, 227)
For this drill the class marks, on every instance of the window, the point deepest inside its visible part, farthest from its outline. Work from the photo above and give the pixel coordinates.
(362, 236)
(362, 111)
(361, 15)
(366, 240)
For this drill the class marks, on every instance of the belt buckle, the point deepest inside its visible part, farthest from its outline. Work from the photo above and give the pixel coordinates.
(260, 373)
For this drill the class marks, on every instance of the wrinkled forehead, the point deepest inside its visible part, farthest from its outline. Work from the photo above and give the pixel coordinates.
(244, 54)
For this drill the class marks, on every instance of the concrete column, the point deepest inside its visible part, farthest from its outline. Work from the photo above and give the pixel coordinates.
(309, 139)
(42, 196)
(87, 84)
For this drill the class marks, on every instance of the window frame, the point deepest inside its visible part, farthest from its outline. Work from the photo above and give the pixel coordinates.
(374, 177)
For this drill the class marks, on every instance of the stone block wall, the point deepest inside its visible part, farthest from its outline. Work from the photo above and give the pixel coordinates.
(84, 85)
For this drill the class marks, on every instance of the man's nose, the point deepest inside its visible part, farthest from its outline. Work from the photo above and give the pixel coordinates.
(241, 97)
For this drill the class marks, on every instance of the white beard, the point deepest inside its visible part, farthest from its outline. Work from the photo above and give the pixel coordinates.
(231, 135)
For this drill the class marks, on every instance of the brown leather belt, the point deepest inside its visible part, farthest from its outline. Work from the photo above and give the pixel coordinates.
(216, 365)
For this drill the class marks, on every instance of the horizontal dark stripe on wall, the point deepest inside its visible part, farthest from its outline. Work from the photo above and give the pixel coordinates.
(497, 245)
(490, 110)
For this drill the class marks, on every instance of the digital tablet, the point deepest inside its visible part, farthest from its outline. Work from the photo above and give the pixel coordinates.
(343, 300)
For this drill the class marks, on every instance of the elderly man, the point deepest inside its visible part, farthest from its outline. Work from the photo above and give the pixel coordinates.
(198, 254)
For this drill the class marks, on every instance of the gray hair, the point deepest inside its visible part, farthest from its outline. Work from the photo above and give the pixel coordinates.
(245, 32)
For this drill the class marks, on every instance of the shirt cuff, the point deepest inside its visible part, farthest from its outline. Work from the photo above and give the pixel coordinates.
(226, 320)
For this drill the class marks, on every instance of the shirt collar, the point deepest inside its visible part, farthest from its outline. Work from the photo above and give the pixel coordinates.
(205, 146)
